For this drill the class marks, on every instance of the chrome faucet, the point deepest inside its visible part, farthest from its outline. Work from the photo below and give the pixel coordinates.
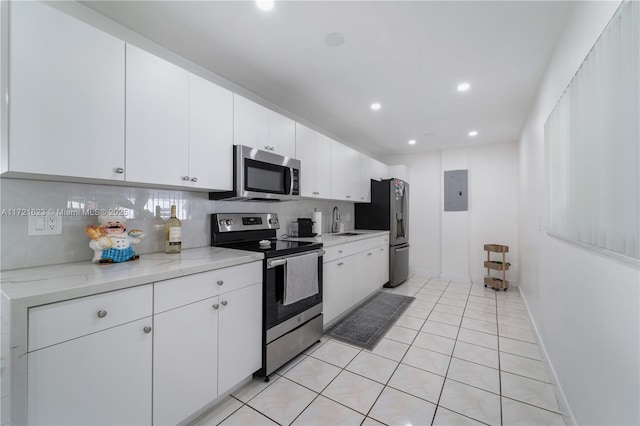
(336, 220)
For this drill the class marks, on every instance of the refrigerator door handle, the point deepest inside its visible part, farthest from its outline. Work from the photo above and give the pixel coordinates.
(401, 249)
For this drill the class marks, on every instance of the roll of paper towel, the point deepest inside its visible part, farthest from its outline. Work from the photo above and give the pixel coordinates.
(317, 223)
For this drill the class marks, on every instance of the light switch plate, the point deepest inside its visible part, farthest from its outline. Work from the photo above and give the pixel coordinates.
(49, 224)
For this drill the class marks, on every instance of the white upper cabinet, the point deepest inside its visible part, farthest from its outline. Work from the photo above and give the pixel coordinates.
(261, 128)
(398, 171)
(157, 120)
(66, 111)
(345, 172)
(364, 194)
(379, 170)
(314, 151)
(210, 135)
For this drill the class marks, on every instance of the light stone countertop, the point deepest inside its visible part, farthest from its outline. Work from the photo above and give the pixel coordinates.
(329, 240)
(48, 284)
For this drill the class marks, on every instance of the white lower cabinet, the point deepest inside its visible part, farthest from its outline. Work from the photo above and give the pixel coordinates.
(337, 281)
(101, 378)
(366, 273)
(185, 361)
(240, 336)
(383, 265)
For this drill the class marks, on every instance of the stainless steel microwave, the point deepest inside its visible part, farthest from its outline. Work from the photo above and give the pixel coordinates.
(262, 175)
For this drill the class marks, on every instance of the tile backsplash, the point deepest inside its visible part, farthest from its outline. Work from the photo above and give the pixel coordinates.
(145, 209)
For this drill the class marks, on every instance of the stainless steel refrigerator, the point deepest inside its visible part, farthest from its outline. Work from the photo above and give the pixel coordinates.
(389, 210)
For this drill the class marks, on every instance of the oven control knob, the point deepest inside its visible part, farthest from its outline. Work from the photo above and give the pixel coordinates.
(229, 222)
(221, 221)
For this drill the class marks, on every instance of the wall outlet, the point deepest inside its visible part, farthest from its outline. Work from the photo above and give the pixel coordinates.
(49, 224)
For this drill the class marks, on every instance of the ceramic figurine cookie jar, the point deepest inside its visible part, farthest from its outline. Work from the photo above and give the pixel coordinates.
(110, 241)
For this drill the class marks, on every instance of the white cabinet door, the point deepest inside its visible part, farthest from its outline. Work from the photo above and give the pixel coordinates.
(383, 264)
(345, 172)
(365, 274)
(157, 120)
(337, 288)
(282, 135)
(210, 135)
(306, 153)
(379, 170)
(103, 378)
(323, 166)
(399, 171)
(185, 360)
(67, 95)
(240, 335)
(365, 178)
(250, 123)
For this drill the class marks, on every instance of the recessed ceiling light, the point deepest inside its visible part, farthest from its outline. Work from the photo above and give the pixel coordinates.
(473, 133)
(375, 106)
(265, 5)
(463, 87)
(334, 40)
(412, 142)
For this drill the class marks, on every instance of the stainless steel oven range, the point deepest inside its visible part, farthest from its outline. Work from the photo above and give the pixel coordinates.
(292, 283)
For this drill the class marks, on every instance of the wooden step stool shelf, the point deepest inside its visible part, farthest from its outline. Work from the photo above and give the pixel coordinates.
(496, 265)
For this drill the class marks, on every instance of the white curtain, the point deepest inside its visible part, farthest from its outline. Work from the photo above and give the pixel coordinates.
(592, 144)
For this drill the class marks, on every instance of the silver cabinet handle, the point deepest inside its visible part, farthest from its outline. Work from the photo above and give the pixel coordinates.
(348, 196)
(102, 313)
(147, 329)
(266, 148)
(340, 251)
(340, 264)
(194, 179)
(185, 178)
(274, 263)
(120, 170)
(215, 306)
(369, 254)
(224, 303)
(220, 282)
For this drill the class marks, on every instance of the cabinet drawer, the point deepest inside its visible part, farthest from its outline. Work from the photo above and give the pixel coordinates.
(348, 249)
(181, 291)
(58, 322)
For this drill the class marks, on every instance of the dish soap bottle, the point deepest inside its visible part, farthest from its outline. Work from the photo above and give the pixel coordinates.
(173, 233)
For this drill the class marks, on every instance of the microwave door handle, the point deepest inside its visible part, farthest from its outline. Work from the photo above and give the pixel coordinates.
(289, 180)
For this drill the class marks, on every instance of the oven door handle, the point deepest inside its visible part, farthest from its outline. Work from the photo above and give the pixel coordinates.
(274, 263)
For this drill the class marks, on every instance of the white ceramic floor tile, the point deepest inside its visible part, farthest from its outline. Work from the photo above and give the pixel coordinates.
(530, 391)
(482, 300)
(417, 382)
(446, 417)
(514, 322)
(313, 373)
(409, 322)
(518, 347)
(427, 360)
(254, 387)
(512, 313)
(477, 354)
(247, 416)
(434, 343)
(478, 338)
(401, 334)
(473, 374)
(509, 304)
(289, 365)
(452, 302)
(336, 353)
(479, 325)
(398, 408)
(220, 412)
(283, 401)
(481, 291)
(481, 307)
(517, 333)
(441, 329)
(390, 349)
(429, 298)
(353, 391)
(371, 422)
(472, 402)
(456, 294)
(448, 309)
(523, 366)
(412, 311)
(422, 304)
(517, 413)
(372, 366)
(325, 412)
(316, 345)
(445, 318)
(479, 315)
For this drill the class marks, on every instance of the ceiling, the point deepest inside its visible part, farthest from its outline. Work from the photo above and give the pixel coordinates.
(407, 55)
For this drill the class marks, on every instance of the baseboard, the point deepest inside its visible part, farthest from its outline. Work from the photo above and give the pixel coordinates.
(567, 413)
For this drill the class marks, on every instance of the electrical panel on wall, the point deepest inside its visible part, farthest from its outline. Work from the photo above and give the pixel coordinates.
(455, 190)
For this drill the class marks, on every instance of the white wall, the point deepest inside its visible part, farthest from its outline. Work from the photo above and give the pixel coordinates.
(450, 244)
(585, 306)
